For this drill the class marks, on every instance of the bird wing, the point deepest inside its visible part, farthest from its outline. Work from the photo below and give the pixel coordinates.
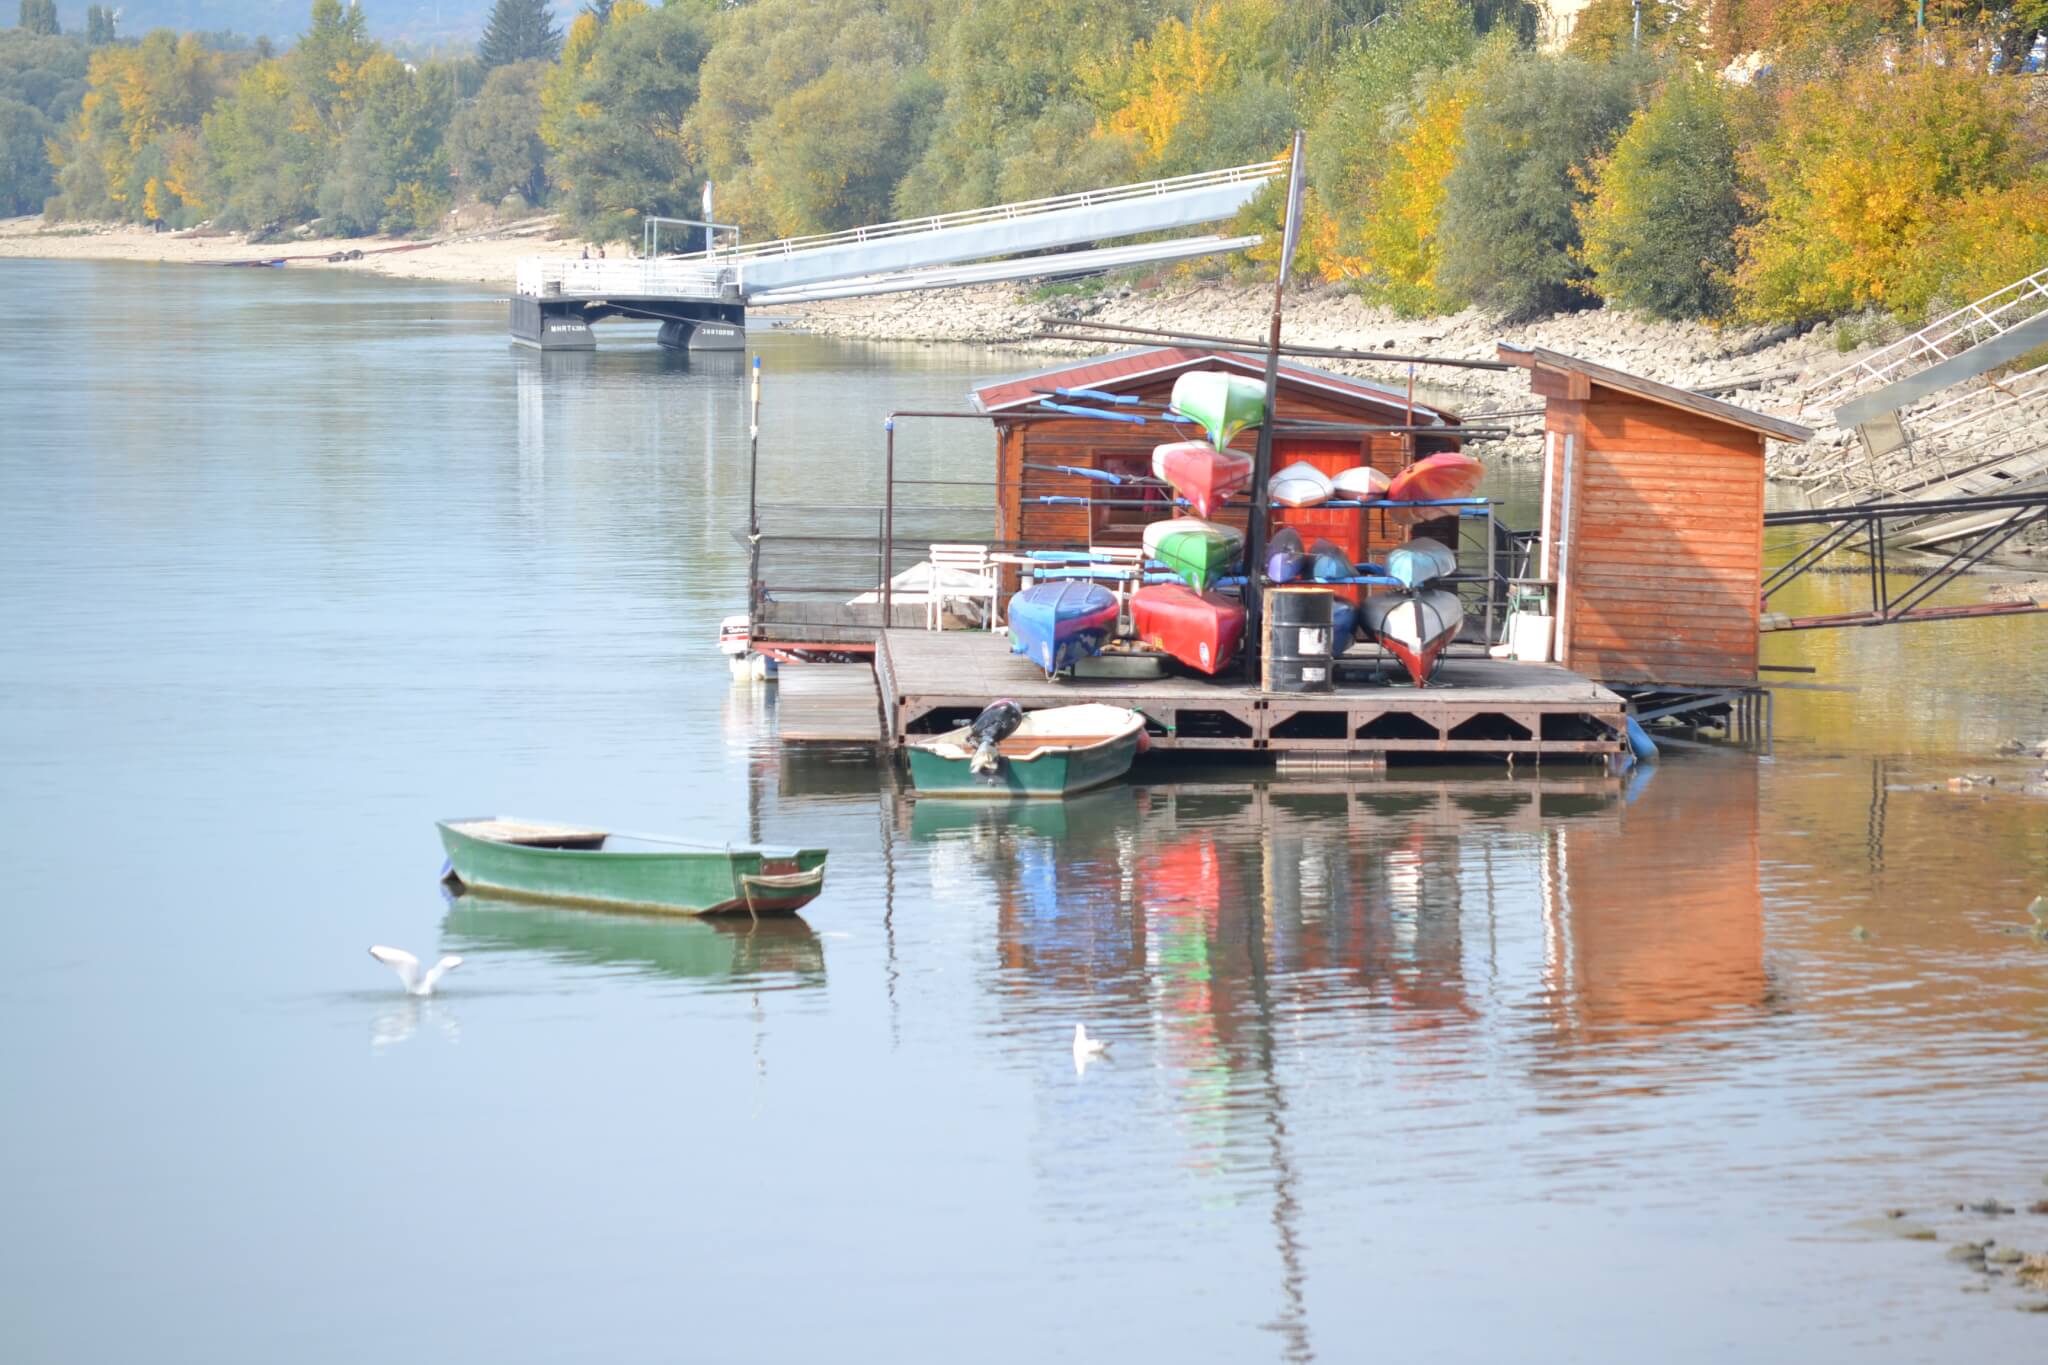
(399, 960)
(439, 970)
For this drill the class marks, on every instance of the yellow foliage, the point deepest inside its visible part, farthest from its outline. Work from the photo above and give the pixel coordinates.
(1861, 180)
(1151, 90)
(1399, 248)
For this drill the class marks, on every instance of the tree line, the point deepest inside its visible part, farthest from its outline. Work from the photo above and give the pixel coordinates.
(1770, 160)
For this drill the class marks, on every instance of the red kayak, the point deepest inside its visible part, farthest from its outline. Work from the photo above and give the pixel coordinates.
(1433, 477)
(1201, 473)
(1201, 629)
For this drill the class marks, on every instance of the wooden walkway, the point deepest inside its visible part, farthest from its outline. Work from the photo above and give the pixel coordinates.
(828, 704)
(933, 680)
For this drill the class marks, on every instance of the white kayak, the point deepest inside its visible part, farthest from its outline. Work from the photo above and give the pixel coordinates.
(1415, 627)
(1362, 482)
(1301, 484)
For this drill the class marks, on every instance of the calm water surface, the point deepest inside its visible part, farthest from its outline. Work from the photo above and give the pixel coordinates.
(1452, 1066)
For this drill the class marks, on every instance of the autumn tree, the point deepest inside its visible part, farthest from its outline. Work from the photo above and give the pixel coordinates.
(1608, 29)
(1864, 177)
(1660, 228)
(130, 145)
(519, 31)
(1510, 228)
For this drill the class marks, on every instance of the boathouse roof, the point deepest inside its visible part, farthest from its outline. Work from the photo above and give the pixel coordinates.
(1535, 358)
(1126, 369)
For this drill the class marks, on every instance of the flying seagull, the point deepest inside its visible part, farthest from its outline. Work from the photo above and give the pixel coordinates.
(408, 968)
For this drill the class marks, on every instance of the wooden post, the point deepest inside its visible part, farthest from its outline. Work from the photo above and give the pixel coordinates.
(753, 502)
(889, 521)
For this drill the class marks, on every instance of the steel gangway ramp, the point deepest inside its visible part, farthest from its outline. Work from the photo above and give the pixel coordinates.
(701, 299)
(1928, 421)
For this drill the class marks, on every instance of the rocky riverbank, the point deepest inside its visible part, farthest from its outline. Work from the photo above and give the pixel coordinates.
(1767, 364)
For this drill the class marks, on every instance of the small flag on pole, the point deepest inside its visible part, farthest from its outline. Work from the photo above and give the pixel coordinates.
(1292, 237)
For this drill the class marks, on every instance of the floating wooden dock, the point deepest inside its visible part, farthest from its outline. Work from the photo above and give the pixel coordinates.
(832, 705)
(931, 681)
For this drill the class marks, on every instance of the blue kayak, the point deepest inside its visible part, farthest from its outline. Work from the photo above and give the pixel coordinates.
(1055, 624)
(1343, 623)
(1285, 555)
(1420, 562)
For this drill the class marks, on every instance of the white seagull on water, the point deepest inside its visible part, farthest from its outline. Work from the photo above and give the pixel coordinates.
(408, 968)
(1086, 1049)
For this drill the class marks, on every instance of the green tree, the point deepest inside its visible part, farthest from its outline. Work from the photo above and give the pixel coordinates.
(1005, 65)
(99, 25)
(494, 144)
(1510, 230)
(809, 113)
(619, 126)
(139, 97)
(1660, 228)
(265, 163)
(519, 31)
(40, 16)
(25, 179)
(390, 172)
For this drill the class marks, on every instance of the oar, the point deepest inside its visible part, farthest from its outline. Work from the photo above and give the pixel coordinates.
(1122, 400)
(1073, 411)
(1099, 475)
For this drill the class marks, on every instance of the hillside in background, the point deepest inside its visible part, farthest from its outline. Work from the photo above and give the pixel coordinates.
(413, 21)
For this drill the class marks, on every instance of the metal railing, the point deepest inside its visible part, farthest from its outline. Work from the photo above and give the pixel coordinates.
(1028, 208)
(1945, 337)
(543, 276)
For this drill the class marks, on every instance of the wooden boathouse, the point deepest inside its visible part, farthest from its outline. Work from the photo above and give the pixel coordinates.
(1649, 556)
(1653, 533)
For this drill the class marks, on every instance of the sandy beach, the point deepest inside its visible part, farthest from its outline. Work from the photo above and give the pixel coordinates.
(484, 256)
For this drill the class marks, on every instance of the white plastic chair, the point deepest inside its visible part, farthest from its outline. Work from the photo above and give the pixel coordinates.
(960, 573)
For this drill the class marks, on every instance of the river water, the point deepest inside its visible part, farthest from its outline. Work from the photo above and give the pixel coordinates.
(1459, 1064)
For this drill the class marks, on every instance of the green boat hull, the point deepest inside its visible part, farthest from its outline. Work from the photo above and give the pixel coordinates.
(1052, 774)
(666, 945)
(1225, 404)
(662, 881)
(1199, 559)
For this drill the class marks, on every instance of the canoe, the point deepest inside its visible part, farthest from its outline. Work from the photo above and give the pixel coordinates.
(1420, 561)
(1362, 482)
(529, 860)
(1285, 555)
(1225, 404)
(1414, 626)
(1201, 629)
(1199, 551)
(1053, 624)
(1445, 475)
(1201, 473)
(1327, 560)
(1301, 484)
(1053, 753)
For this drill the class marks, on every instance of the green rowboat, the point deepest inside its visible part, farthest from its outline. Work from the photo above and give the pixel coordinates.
(527, 860)
(1054, 753)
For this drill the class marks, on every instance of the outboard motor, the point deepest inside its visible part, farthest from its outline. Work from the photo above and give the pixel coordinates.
(991, 728)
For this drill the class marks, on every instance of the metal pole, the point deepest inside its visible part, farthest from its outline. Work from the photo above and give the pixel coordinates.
(1262, 459)
(1635, 37)
(888, 520)
(754, 498)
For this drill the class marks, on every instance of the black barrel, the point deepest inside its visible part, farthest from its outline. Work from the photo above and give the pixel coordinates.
(1298, 653)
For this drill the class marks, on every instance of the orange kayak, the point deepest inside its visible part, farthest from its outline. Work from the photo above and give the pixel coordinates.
(1430, 479)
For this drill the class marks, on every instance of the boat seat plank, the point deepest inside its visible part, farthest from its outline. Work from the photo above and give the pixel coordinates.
(503, 831)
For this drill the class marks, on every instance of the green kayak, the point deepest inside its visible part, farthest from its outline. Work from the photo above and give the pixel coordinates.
(579, 866)
(1199, 551)
(1053, 753)
(1225, 404)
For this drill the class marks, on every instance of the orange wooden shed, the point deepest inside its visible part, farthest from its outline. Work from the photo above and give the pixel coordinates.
(1305, 394)
(1653, 534)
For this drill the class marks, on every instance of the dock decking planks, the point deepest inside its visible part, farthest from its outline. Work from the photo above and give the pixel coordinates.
(828, 704)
